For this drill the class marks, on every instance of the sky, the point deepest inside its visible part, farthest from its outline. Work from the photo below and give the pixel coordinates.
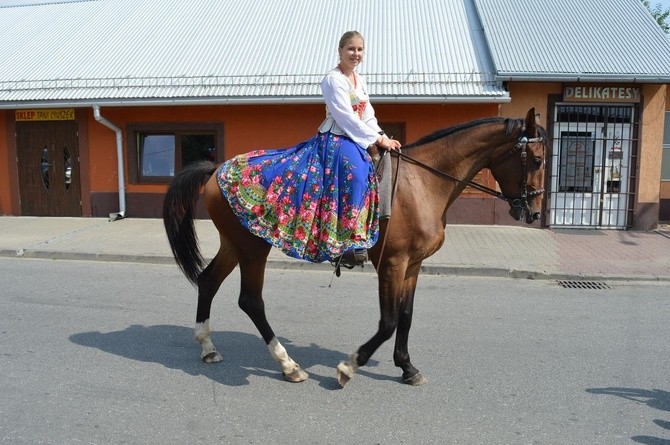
(665, 4)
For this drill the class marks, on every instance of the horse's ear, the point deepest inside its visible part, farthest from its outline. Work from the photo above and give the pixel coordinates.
(531, 123)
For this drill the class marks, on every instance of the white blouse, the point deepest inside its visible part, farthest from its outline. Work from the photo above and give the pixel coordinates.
(348, 110)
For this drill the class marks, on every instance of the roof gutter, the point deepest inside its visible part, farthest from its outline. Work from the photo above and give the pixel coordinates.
(119, 157)
(10, 105)
(573, 78)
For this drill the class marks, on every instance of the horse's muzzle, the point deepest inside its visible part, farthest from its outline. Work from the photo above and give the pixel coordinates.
(519, 212)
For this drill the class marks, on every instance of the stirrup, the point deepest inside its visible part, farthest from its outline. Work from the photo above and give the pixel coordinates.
(350, 259)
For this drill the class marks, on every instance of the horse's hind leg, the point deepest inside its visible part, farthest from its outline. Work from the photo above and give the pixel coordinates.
(251, 252)
(209, 282)
(251, 302)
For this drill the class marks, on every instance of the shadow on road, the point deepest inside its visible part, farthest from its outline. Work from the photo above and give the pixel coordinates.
(244, 354)
(654, 398)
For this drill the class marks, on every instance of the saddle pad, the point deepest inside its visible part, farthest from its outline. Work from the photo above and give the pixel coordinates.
(385, 189)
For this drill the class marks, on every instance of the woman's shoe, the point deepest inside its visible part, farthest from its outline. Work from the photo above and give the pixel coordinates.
(350, 259)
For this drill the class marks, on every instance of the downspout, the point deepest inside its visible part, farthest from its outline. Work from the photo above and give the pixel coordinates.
(119, 157)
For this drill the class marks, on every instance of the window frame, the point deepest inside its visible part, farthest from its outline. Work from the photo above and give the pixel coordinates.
(133, 130)
(665, 150)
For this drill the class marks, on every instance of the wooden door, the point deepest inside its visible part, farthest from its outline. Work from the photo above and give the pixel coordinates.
(48, 166)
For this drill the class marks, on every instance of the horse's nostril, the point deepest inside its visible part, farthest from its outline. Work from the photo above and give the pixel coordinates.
(536, 216)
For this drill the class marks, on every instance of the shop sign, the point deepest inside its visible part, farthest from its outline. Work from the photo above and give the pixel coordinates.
(61, 114)
(601, 93)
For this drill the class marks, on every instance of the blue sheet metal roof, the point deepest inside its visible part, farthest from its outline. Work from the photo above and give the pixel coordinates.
(115, 52)
(121, 51)
(575, 40)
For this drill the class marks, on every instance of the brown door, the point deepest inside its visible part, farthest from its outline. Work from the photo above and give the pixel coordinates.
(48, 165)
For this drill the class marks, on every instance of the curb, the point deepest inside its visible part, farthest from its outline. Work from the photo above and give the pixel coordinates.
(278, 264)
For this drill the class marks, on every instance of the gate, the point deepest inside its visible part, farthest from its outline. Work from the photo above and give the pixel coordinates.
(593, 166)
(48, 166)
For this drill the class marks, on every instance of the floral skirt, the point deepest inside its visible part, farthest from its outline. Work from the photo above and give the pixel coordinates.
(313, 201)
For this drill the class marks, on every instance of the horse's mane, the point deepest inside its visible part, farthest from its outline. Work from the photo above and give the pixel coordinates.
(511, 124)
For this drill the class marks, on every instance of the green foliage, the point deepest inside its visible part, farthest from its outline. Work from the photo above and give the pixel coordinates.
(659, 14)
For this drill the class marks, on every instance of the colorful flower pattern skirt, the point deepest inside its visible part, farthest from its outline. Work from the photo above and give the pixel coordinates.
(313, 201)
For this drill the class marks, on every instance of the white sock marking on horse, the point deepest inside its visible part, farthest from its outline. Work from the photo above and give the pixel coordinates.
(353, 361)
(280, 355)
(346, 370)
(202, 335)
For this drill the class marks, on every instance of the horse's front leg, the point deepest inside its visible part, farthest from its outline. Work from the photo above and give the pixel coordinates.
(390, 293)
(410, 374)
(251, 302)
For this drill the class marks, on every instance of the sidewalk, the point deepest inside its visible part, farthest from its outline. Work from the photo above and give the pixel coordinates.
(469, 250)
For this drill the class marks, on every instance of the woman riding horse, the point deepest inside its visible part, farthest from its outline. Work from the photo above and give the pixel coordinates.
(318, 199)
(429, 176)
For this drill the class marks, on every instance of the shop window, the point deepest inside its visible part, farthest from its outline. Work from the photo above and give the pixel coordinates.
(665, 163)
(576, 166)
(158, 151)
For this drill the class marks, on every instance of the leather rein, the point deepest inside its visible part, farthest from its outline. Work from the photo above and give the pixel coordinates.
(521, 145)
(520, 202)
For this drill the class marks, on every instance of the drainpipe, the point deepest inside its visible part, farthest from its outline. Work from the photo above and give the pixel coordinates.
(119, 157)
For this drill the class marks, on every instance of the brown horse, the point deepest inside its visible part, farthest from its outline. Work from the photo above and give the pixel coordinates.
(428, 176)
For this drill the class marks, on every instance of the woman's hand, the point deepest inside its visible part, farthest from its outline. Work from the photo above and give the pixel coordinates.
(388, 143)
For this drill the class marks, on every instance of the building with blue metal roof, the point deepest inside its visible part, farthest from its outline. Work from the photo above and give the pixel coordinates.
(105, 74)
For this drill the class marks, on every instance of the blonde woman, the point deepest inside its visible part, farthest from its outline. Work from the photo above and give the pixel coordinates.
(316, 200)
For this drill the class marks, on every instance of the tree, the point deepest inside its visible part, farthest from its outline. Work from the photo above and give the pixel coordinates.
(659, 14)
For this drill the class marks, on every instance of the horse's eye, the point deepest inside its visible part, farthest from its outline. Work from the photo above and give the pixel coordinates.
(537, 162)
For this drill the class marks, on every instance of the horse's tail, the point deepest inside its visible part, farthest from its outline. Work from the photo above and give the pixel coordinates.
(178, 210)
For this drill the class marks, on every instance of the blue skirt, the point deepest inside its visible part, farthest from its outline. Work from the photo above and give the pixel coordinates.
(314, 201)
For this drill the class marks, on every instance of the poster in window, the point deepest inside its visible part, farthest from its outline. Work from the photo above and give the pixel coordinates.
(576, 173)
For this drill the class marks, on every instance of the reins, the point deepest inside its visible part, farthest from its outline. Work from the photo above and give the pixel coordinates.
(520, 145)
(522, 201)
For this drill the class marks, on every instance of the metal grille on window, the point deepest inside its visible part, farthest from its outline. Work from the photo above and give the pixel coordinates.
(593, 166)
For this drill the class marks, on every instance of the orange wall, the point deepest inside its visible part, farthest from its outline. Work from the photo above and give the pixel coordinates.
(421, 120)
(245, 128)
(651, 142)
(526, 95)
(248, 127)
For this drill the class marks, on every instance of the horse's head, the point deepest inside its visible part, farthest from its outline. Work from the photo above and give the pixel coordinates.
(520, 170)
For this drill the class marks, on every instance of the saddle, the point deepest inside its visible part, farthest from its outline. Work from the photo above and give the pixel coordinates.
(382, 165)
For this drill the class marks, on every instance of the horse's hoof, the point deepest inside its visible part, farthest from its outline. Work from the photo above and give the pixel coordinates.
(415, 380)
(296, 376)
(212, 357)
(344, 373)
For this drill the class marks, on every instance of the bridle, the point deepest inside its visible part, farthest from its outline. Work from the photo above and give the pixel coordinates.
(516, 202)
(522, 147)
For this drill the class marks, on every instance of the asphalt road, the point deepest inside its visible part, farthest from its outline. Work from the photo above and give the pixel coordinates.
(103, 353)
